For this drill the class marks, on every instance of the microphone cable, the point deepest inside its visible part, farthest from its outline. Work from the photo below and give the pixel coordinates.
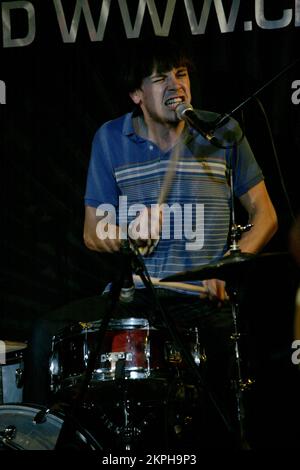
(292, 215)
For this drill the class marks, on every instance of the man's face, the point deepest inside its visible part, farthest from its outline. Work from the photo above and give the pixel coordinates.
(161, 92)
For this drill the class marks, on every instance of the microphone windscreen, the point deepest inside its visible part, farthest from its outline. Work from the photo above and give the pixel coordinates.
(182, 108)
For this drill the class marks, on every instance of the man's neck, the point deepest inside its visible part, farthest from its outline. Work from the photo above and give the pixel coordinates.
(164, 135)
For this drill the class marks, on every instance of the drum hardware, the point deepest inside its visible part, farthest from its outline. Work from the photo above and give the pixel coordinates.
(129, 429)
(41, 416)
(167, 321)
(7, 437)
(111, 364)
(246, 384)
(230, 269)
(19, 377)
(9, 433)
(115, 364)
(90, 358)
(172, 354)
(197, 351)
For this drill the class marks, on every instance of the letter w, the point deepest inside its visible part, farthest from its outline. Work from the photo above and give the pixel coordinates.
(160, 30)
(82, 5)
(225, 27)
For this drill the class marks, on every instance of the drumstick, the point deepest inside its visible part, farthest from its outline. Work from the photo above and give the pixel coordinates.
(169, 175)
(165, 189)
(176, 285)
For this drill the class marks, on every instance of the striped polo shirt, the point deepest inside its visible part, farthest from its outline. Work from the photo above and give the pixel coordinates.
(128, 168)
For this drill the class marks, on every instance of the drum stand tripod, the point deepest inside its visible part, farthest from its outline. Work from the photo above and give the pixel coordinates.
(235, 253)
(238, 383)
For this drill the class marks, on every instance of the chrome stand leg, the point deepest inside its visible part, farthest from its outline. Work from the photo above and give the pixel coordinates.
(238, 380)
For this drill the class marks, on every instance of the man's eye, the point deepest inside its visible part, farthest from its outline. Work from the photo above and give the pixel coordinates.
(158, 79)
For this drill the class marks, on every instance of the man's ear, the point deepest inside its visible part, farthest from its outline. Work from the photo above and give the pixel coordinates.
(136, 96)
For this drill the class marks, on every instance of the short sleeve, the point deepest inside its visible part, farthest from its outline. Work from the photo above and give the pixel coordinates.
(247, 172)
(101, 187)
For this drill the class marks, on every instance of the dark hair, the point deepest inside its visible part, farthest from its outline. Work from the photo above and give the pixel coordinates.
(157, 52)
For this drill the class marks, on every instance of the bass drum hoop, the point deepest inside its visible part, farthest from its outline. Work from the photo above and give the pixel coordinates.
(46, 435)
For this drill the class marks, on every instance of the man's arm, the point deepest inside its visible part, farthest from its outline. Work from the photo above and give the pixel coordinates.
(92, 239)
(105, 237)
(263, 217)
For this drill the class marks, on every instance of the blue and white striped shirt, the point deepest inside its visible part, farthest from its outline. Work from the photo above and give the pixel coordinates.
(125, 164)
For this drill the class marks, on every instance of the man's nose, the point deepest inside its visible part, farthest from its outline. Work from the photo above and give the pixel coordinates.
(174, 82)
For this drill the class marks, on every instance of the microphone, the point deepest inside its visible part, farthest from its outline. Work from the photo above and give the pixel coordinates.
(185, 112)
(128, 287)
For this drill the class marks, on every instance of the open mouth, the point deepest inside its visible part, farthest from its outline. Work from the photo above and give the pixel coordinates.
(173, 102)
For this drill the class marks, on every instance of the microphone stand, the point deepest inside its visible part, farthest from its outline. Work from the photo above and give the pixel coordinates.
(224, 117)
(140, 269)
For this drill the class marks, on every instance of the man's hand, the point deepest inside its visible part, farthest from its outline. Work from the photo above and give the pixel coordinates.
(146, 228)
(215, 290)
(98, 234)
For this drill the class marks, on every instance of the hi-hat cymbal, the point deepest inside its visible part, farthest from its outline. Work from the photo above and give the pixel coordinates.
(228, 268)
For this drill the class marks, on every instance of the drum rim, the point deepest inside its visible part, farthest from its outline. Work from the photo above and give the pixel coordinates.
(16, 409)
(55, 419)
(78, 328)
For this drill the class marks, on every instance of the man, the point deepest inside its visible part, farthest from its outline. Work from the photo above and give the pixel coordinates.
(131, 152)
(131, 159)
(147, 167)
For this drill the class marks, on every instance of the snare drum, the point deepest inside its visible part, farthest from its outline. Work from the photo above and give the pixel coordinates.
(11, 373)
(131, 349)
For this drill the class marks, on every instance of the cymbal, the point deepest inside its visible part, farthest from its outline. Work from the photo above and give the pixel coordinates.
(228, 268)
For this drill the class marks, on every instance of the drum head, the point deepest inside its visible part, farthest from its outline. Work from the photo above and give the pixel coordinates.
(12, 346)
(20, 431)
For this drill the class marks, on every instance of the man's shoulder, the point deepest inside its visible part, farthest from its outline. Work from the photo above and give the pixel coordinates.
(121, 124)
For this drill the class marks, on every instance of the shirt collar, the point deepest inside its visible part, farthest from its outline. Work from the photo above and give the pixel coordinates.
(128, 129)
(128, 125)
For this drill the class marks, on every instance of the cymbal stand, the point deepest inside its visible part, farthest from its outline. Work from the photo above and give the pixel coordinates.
(235, 234)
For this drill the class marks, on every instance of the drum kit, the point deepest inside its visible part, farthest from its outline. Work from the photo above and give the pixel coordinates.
(122, 384)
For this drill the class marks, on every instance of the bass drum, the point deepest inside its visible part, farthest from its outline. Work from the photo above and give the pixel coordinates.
(25, 427)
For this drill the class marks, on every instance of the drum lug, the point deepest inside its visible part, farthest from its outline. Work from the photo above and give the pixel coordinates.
(19, 377)
(245, 385)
